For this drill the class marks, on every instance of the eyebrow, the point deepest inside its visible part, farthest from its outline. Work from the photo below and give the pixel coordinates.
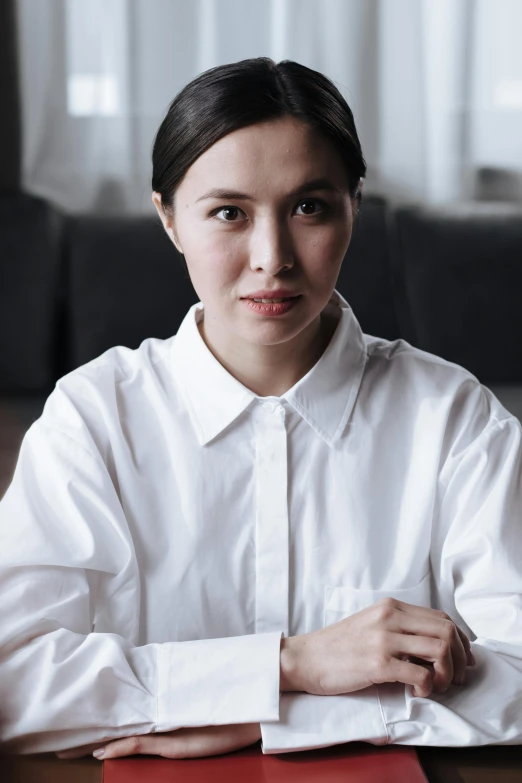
(315, 184)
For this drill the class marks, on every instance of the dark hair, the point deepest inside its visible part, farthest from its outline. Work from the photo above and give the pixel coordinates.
(233, 96)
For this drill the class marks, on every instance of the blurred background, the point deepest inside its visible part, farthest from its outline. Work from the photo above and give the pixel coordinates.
(436, 91)
(435, 87)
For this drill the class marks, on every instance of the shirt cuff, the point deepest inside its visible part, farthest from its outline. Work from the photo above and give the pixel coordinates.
(211, 682)
(307, 721)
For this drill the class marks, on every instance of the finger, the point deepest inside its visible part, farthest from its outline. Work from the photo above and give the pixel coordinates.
(437, 628)
(470, 658)
(77, 753)
(434, 650)
(216, 740)
(419, 611)
(178, 744)
(130, 746)
(185, 742)
(420, 677)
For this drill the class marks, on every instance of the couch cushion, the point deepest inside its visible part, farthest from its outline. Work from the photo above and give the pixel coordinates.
(462, 272)
(365, 279)
(127, 282)
(29, 285)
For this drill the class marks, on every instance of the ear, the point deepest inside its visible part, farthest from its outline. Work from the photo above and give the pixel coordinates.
(168, 223)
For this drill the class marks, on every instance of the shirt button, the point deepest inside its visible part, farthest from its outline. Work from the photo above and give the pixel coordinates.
(269, 407)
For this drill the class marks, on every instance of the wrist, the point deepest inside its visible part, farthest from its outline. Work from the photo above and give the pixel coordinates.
(288, 678)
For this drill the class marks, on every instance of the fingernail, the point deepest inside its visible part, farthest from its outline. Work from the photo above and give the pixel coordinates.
(99, 754)
(473, 659)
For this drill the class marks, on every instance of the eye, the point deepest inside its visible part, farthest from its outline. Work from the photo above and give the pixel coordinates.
(230, 214)
(310, 206)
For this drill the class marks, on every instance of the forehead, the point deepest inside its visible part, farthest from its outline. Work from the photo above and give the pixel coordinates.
(269, 156)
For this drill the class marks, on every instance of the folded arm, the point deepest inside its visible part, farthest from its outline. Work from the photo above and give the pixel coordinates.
(477, 572)
(66, 556)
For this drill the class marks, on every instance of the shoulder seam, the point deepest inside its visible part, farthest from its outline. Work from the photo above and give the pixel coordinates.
(66, 435)
(102, 362)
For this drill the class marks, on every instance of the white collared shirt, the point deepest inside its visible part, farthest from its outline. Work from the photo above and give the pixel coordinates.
(165, 526)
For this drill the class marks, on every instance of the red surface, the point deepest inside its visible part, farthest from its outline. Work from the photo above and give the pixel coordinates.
(349, 763)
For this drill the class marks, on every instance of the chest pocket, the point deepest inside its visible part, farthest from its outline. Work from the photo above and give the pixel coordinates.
(341, 601)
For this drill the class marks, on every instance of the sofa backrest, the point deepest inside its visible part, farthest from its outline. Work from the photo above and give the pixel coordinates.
(31, 234)
(459, 271)
(448, 281)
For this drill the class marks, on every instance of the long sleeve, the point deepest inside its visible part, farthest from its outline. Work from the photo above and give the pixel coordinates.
(308, 721)
(67, 568)
(476, 563)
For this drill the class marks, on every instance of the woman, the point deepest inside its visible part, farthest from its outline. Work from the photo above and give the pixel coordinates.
(269, 526)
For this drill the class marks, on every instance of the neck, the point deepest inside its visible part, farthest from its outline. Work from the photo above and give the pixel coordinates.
(271, 370)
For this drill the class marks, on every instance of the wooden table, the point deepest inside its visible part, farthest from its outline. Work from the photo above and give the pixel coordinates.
(46, 768)
(494, 764)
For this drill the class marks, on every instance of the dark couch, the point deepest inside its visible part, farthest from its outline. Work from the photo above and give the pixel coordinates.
(447, 280)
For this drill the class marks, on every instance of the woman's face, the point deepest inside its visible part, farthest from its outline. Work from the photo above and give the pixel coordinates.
(265, 208)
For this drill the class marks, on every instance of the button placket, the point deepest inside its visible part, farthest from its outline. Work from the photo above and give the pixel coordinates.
(272, 528)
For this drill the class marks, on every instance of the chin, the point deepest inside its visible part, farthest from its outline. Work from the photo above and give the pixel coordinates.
(271, 333)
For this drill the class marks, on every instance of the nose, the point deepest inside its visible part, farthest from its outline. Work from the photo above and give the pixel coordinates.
(271, 248)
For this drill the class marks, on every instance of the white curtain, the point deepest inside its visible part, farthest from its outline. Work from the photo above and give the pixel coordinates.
(435, 87)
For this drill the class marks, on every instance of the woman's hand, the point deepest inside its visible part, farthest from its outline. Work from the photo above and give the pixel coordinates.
(183, 743)
(390, 641)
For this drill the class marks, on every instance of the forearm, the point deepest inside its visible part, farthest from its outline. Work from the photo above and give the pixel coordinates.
(64, 689)
(484, 711)
(61, 687)
(308, 721)
(99, 688)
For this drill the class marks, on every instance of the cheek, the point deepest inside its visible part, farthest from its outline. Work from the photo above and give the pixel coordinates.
(213, 269)
(208, 246)
(326, 249)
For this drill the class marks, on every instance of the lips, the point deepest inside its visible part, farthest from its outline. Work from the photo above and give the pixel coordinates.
(271, 309)
(267, 299)
(277, 294)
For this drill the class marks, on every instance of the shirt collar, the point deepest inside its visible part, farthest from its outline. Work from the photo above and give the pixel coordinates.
(324, 397)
